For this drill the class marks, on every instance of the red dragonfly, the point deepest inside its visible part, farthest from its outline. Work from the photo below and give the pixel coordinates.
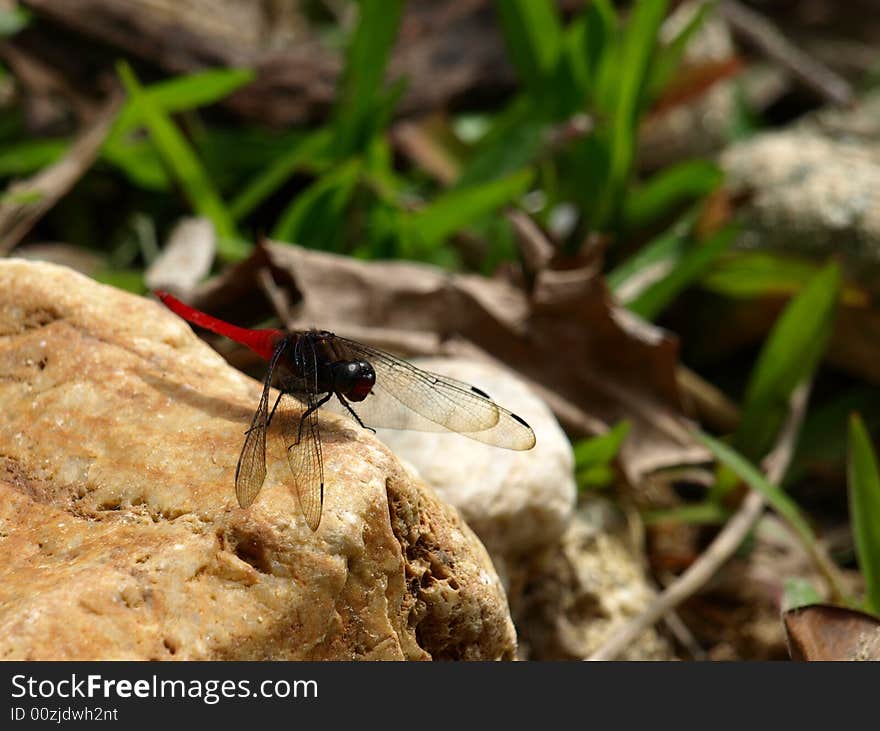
(309, 367)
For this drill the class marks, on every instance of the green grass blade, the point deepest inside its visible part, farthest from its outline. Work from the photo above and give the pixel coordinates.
(789, 356)
(864, 496)
(635, 56)
(798, 592)
(185, 166)
(672, 187)
(585, 44)
(182, 94)
(654, 260)
(702, 513)
(13, 20)
(601, 448)
(316, 217)
(533, 34)
(655, 298)
(138, 160)
(455, 209)
(28, 156)
(670, 55)
(273, 177)
(359, 105)
(594, 457)
(751, 274)
(750, 474)
(512, 143)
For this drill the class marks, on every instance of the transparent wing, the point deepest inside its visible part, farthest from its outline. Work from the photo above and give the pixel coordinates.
(438, 403)
(303, 437)
(250, 472)
(304, 455)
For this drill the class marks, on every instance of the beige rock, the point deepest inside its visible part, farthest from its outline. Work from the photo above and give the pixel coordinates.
(514, 501)
(575, 594)
(120, 536)
(808, 194)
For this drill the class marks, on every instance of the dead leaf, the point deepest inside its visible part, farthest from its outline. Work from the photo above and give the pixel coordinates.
(186, 258)
(827, 632)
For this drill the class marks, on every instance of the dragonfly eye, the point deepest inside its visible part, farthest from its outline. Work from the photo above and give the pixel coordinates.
(354, 379)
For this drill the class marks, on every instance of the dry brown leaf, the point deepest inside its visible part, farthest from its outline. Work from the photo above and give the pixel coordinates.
(827, 632)
(186, 258)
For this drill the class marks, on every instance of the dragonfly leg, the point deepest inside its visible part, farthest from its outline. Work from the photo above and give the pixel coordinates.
(271, 414)
(354, 414)
(308, 411)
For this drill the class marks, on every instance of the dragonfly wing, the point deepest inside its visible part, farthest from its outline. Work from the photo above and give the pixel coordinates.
(304, 455)
(302, 434)
(437, 400)
(250, 472)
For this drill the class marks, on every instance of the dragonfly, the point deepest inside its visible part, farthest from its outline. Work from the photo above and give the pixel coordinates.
(310, 367)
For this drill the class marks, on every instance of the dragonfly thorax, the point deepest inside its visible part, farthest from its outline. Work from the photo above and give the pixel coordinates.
(354, 379)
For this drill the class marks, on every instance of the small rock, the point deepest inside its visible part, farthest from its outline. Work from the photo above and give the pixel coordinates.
(575, 594)
(810, 195)
(515, 501)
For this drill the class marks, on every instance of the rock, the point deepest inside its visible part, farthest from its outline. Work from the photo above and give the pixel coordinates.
(120, 535)
(808, 194)
(575, 594)
(514, 501)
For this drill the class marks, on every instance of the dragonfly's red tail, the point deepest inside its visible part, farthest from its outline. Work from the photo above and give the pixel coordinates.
(262, 342)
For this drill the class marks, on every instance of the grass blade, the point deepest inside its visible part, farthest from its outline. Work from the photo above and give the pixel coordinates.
(635, 56)
(28, 156)
(316, 217)
(184, 93)
(13, 20)
(368, 53)
(653, 261)
(185, 166)
(864, 495)
(452, 211)
(273, 177)
(669, 56)
(672, 187)
(533, 34)
(138, 160)
(751, 274)
(593, 458)
(750, 474)
(651, 302)
(790, 355)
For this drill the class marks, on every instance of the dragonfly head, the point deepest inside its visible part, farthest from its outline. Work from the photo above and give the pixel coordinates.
(354, 379)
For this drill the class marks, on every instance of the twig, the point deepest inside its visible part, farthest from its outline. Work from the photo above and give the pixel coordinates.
(724, 545)
(712, 406)
(684, 635)
(535, 247)
(28, 200)
(417, 145)
(277, 296)
(762, 33)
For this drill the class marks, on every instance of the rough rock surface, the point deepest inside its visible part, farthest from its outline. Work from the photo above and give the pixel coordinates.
(576, 593)
(120, 536)
(514, 501)
(809, 194)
